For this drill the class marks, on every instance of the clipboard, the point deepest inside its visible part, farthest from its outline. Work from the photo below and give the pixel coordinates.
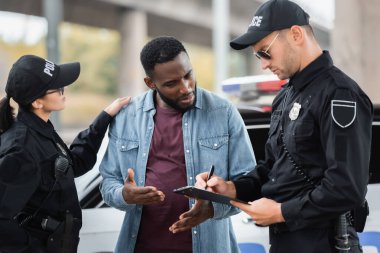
(192, 191)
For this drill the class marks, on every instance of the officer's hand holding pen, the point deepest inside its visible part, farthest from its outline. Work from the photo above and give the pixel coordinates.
(215, 184)
(209, 175)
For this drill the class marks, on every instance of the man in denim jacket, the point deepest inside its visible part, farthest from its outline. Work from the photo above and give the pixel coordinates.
(160, 142)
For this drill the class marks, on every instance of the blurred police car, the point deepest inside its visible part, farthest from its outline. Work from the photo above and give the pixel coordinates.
(253, 91)
(101, 224)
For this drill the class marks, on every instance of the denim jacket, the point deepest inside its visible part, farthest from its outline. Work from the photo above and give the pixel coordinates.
(213, 134)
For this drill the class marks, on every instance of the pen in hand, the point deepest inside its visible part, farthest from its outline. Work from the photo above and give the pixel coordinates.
(209, 175)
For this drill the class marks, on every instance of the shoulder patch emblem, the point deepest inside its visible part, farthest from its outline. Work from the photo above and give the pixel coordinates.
(343, 112)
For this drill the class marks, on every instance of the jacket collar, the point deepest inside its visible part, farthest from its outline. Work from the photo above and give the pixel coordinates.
(149, 101)
(36, 123)
(311, 71)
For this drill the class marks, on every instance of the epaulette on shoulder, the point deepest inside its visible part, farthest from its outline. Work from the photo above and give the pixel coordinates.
(14, 136)
(341, 80)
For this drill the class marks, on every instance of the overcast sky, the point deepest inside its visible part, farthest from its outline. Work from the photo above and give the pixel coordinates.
(18, 26)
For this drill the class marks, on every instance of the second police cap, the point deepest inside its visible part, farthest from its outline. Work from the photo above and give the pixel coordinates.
(271, 16)
(31, 76)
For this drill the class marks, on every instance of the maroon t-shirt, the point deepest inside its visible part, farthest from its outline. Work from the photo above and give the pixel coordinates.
(165, 170)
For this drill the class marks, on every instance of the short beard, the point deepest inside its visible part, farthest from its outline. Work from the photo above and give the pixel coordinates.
(173, 104)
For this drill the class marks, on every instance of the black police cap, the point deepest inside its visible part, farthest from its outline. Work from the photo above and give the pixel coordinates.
(31, 76)
(271, 16)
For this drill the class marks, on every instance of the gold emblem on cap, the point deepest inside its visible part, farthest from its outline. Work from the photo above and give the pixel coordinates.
(295, 111)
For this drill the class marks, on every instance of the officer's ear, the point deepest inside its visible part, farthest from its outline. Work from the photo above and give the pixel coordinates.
(37, 104)
(149, 82)
(297, 34)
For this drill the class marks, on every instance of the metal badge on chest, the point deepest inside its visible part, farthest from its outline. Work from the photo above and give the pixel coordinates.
(295, 111)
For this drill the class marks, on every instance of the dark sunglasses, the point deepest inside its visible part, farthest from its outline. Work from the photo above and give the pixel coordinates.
(264, 53)
(60, 90)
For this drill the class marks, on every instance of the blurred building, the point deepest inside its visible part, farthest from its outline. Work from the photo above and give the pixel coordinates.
(353, 41)
(190, 21)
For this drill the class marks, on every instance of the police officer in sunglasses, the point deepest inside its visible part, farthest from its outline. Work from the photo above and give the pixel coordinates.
(318, 151)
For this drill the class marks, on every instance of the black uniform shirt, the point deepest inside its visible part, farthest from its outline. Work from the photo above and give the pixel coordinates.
(28, 151)
(326, 121)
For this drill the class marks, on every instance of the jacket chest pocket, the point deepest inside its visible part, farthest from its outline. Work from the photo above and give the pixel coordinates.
(125, 146)
(273, 138)
(301, 136)
(128, 150)
(213, 143)
(214, 151)
(274, 121)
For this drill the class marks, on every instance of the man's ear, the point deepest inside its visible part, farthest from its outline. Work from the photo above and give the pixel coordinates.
(149, 82)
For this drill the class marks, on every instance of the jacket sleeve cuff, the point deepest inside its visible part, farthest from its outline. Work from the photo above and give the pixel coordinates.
(222, 211)
(119, 199)
(102, 121)
(291, 213)
(244, 190)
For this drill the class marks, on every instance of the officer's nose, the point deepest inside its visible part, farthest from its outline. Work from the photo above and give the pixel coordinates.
(264, 63)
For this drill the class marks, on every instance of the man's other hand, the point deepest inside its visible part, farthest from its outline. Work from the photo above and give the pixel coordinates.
(201, 211)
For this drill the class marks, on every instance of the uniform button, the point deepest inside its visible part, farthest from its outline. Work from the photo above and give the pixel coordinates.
(215, 144)
(185, 124)
(187, 151)
(144, 154)
(122, 146)
(191, 178)
(195, 232)
(273, 179)
(133, 236)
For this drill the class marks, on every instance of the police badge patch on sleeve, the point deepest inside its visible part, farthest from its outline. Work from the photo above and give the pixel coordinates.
(343, 112)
